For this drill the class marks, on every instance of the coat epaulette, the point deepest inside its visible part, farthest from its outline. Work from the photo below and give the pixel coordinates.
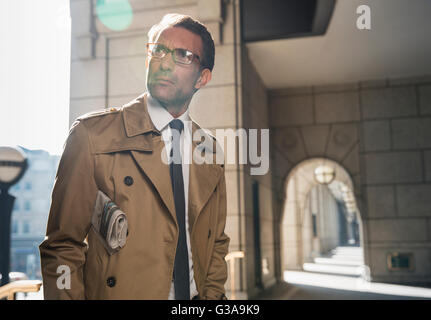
(99, 112)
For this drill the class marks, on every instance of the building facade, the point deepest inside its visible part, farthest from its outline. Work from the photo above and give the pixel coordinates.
(30, 212)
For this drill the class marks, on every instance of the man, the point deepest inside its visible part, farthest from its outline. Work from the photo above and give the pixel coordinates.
(176, 213)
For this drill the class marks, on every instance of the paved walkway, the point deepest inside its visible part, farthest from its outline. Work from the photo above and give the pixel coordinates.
(315, 286)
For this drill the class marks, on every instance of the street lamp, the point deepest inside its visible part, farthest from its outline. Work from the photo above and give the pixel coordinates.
(324, 174)
(13, 164)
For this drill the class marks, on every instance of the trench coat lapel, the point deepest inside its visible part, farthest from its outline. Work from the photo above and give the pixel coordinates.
(137, 122)
(203, 179)
(158, 173)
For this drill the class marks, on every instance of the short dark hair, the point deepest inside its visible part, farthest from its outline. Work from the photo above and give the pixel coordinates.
(187, 22)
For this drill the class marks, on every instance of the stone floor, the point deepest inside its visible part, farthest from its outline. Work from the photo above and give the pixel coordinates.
(339, 276)
(295, 291)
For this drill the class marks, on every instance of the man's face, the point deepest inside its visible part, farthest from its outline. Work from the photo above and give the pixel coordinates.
(173, 83)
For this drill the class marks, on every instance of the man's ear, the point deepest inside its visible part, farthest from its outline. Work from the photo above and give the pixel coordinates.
(203, 79)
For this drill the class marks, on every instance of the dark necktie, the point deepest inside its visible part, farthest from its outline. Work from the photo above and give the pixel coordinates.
(181, 264)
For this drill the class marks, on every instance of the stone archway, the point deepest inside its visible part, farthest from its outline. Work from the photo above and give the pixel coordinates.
(296, 243)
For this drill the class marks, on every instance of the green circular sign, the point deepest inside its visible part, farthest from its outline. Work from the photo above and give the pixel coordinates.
(116, 15)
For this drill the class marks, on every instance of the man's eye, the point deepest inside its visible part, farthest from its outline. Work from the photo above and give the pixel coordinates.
(158, 50)
(182, 53)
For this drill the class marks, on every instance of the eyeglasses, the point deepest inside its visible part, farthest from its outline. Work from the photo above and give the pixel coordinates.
(180, 56)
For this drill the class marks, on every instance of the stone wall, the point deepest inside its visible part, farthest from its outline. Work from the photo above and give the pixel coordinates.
(396, 134)
(380, 132)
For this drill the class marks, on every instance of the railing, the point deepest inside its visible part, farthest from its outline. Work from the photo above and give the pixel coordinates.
(8, 291)
(230, 257)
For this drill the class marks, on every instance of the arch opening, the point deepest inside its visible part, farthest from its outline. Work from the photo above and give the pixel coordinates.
(321, 225)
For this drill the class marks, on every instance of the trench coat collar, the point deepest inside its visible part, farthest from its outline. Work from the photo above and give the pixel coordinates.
(136, 118)
(203, 178)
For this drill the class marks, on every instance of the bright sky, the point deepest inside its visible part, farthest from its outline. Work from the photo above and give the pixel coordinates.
(34, 73)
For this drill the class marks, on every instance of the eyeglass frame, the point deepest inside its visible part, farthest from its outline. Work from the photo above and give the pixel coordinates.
(171, 51)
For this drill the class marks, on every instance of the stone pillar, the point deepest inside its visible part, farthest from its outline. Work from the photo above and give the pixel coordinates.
(88, 65)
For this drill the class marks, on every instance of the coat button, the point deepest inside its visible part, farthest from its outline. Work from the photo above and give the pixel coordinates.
(128, 181)
(111, 281)
(209, 233)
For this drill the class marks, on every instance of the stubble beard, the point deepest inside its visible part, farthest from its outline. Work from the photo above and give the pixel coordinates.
(171, 99)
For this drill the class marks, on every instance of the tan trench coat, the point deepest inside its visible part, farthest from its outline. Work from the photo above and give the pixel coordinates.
(101, 151)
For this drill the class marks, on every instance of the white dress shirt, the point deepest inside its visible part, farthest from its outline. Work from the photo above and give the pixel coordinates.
(161, 118)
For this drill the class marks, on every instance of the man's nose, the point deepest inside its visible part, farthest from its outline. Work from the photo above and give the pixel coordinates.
(167, 62)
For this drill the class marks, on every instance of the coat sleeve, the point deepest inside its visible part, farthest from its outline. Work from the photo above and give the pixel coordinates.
(217, 271)
(69, 219)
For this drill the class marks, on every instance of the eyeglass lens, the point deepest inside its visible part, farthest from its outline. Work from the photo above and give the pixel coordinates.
(180, 55)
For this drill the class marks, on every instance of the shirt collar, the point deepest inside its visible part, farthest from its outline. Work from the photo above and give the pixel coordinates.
(160, 116)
